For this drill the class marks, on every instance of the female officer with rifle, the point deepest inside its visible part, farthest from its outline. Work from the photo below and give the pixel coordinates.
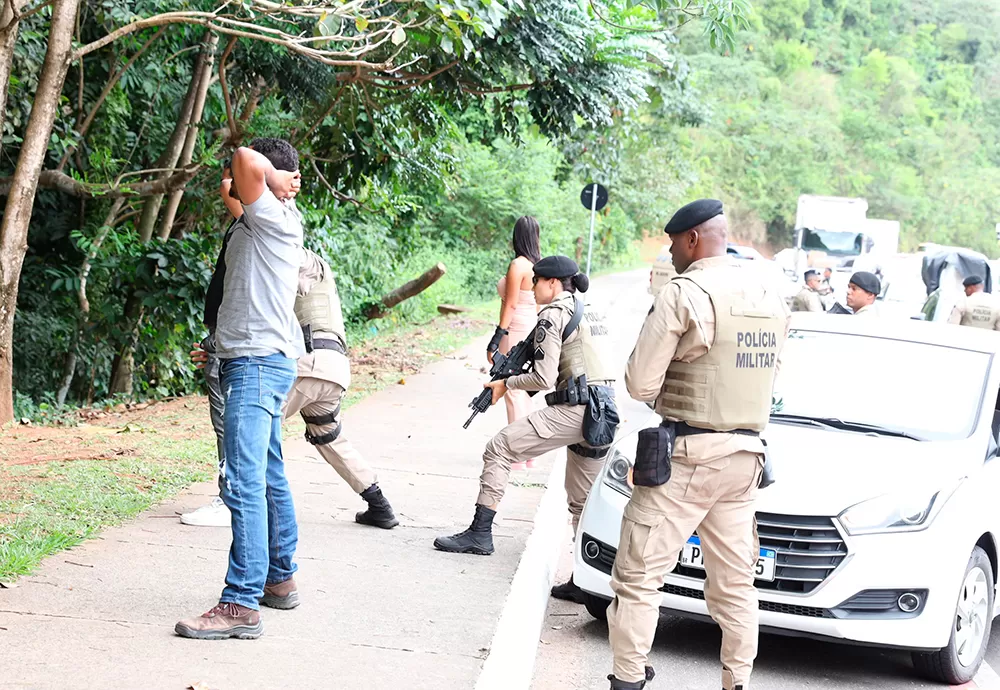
(572, 355)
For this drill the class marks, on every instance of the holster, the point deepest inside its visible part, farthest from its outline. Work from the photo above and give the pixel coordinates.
(767, 474)
(600, 420)
(653, 454)
(575, 393)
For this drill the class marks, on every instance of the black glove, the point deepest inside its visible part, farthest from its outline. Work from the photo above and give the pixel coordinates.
(495, 340)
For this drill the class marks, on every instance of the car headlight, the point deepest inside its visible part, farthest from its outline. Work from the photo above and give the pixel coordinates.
(618, 474)
(910, 511)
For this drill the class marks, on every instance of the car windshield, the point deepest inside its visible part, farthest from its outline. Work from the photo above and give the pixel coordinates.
(836, 243)
(905, 388)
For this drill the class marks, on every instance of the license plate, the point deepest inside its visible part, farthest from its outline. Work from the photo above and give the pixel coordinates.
(693, 557)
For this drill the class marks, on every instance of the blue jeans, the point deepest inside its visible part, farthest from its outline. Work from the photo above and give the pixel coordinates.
(256, 490)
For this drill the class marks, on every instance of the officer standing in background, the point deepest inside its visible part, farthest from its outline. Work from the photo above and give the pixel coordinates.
(808, 298)
(979, 309)
(572, 355)
(862, 291)
(707, 354)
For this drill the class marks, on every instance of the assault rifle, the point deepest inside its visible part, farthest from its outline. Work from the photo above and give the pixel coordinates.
(520, 360)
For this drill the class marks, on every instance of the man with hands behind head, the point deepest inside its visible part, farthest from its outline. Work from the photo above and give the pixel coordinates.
(257, 342)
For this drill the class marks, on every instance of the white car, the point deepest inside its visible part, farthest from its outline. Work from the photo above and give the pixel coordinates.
(882, 526)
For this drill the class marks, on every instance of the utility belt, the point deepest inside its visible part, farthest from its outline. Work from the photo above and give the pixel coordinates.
(576, 392)
(685, 429)
(655, 450)
(322, 343)
(600, 419)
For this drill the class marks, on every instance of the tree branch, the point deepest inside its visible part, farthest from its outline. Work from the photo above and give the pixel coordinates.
(112, 81)
(319, 121)
(336, 195)
(61, 182)
(234, 131)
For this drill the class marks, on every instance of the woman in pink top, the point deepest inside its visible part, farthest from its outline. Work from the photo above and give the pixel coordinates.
(518, 311)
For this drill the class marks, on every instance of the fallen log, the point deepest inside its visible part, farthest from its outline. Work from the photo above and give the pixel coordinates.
(451, 309)
(405, 292)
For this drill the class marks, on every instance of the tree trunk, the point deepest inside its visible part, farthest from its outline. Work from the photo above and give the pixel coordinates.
(405, 292)
(124, 363)
(9, 21)
(17, 213)
(151, 209)
(205, 78)
(83, 316)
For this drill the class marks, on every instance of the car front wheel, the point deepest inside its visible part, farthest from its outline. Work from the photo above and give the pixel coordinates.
(970, 633)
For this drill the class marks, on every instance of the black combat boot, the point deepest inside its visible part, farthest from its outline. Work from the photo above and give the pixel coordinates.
(568, 591)
(379, 513)
(622, 685)
(478, 539)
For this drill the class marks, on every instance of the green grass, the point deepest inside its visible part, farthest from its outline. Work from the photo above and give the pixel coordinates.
(61, 504)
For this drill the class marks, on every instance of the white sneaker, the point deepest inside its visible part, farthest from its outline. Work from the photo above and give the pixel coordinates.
(215, 514)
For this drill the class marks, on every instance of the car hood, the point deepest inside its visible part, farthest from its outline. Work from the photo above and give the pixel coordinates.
(822, 472)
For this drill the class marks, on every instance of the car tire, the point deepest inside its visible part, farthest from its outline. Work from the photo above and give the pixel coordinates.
(946, 665)
(596, 606)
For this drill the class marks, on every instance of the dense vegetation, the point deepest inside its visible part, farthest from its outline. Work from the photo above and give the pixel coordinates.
(897, 101)
(426, 128)
(508, 109)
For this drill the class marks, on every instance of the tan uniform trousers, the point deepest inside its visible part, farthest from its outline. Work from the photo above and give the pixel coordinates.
(314, 397)
(532, 436)
(716, 498)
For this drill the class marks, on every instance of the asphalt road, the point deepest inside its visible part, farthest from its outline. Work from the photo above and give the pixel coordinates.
(574, 652)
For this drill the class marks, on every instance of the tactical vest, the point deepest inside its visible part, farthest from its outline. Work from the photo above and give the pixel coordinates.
(320, 307)
(730, 386)
(587, 350)
(980, 310)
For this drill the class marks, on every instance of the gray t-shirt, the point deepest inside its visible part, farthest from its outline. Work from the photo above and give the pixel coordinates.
(256, 317)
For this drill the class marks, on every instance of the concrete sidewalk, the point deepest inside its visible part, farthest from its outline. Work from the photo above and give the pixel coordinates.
(380, 609)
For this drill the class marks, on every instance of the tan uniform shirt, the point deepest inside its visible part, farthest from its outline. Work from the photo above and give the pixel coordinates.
(807, 300)
(681, 327)
(326, 365)
(548, 345)
(867, 310)
(979, 310)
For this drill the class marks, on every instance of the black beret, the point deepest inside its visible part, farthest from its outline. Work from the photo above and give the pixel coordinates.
(972, 280)
(868, 282)
(557, 266)
(693, 215)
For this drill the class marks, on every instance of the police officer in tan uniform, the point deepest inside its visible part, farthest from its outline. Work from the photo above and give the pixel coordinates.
(571, 355)
(808, 298)
(862, 291)
(324, 375)
(707, 355)
(979, 309)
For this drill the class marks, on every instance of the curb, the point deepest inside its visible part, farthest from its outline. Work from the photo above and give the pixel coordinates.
(510, 663)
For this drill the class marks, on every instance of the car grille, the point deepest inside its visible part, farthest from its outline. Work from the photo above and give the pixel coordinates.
(791, 609)
(808, 550)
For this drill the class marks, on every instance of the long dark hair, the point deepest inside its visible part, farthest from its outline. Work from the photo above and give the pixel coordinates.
(525, 241)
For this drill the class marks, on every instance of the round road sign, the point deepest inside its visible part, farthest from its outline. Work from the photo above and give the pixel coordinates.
(587, 196)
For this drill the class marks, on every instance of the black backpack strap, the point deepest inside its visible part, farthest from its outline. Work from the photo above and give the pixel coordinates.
(574, 320)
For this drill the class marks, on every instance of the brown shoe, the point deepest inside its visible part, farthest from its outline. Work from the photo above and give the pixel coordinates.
(281, 595)
(223, 621)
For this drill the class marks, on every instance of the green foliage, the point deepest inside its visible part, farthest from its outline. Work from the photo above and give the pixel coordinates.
(890, 100)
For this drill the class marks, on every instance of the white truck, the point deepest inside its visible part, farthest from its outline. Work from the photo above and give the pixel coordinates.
(835, 232)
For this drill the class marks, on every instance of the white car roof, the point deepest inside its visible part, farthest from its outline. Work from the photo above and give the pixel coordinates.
(910, 330)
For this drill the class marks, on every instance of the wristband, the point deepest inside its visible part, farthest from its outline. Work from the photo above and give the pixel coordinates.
(495, 340)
